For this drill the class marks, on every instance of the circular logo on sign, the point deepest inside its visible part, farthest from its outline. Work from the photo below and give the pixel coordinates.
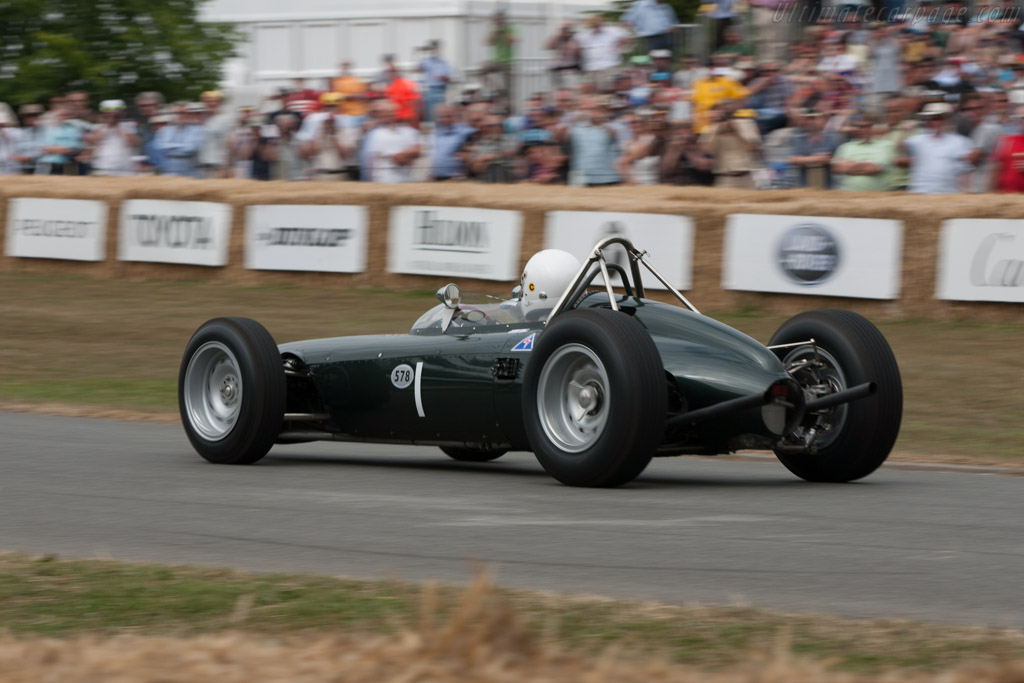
(402, 376)
(808, 254)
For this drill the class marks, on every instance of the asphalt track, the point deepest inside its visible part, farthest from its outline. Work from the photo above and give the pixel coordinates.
(930, 545)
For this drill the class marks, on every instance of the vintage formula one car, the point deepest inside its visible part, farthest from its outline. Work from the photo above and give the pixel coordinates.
(595, 383)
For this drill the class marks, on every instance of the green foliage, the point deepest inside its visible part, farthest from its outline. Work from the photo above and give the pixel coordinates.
(686, 10)
(111, 48)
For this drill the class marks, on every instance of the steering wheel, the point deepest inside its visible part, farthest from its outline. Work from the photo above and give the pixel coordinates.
(469, 307)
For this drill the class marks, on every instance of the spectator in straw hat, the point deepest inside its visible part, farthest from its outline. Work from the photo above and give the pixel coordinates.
(217, 124)
(113, 141)
(938, 158)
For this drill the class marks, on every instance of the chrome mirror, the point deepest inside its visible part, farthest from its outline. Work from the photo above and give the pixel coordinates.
(517, 293)
(450, 295)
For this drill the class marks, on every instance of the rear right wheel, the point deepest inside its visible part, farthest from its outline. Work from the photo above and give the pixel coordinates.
(471, 454)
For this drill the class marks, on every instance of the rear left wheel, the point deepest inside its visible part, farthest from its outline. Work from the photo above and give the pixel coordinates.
(231, 391)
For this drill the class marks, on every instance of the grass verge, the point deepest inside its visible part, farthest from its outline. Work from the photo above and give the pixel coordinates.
(117, 346)
(48, 596)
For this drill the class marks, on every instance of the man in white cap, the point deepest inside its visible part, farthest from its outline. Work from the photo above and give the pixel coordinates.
(938, 158)
(114, 141)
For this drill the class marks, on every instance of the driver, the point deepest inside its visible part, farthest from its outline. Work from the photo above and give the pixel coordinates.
(545, 278)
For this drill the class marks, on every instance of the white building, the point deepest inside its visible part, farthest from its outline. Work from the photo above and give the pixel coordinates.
(287, 39)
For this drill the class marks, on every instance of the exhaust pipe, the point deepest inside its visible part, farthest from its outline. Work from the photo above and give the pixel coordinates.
(852, 394)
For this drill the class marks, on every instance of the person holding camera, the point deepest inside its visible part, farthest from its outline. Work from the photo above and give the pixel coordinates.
(113, 141)
(734, 145)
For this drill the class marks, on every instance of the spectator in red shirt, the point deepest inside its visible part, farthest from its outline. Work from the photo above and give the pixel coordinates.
(301, 99)
(1008, 159)
(404, 94)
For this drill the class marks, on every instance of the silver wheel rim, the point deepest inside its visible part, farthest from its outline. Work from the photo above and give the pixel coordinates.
(213, 391)
(827, 378)
(573, 398)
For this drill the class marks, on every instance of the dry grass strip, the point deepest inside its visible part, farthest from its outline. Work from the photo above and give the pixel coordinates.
(483, 640)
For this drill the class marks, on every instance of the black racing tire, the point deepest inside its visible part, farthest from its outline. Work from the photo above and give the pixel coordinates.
(472, 454)
(864, 430)
(594, 398)
(231, 391)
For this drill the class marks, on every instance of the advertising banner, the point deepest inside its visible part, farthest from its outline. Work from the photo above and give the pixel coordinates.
(330, 239)
(668, 240)
(981, 259)
(192, 233)
(455, 242)
(818, 255)
(72, 229)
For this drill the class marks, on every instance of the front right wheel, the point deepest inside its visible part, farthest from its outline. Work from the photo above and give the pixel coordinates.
(231, 391)
(851, 440)
(594, 398)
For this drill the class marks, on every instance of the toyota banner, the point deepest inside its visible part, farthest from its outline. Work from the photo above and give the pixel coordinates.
(193, 233)
(847, 257)
(455, 242)
(72, 229)
(329, 239)
(981, 259)
(667, 239)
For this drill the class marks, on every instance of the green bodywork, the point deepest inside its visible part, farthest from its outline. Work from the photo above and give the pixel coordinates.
(470, 381)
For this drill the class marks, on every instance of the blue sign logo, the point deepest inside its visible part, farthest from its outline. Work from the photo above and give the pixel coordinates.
(525, 344)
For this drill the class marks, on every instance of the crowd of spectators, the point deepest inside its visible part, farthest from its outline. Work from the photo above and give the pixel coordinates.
(930, 103)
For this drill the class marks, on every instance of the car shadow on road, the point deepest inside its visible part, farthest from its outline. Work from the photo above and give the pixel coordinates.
(524, 466)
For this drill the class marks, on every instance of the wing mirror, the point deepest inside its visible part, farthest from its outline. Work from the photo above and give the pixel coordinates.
(450, 295)
(517, 293)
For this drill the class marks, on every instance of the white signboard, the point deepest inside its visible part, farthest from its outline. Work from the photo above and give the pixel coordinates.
(851, 257)
(194, 233)
(74, 229)
(455, 242)
(981, 260)
(294, 237)
(668, 240)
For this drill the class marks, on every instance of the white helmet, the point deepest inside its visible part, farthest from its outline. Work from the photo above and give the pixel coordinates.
(547, 275)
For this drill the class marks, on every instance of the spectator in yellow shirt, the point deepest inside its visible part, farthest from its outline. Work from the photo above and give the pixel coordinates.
(354, 90)
(709, 91)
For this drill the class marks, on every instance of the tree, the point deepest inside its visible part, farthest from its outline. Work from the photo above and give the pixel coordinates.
(110, 48)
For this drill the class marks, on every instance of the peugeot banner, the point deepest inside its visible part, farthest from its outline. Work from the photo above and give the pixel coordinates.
(455, 241)
(72, 229)
(194, 233)
(852, 257)
(668, 239)
(981, 259)
(329, 239)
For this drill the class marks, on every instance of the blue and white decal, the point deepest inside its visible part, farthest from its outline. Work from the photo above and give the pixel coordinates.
(525, 344)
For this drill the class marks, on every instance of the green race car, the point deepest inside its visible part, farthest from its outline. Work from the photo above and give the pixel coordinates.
(595, 382)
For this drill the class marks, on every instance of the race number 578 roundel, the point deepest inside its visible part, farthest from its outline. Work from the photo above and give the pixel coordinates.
(402, 376)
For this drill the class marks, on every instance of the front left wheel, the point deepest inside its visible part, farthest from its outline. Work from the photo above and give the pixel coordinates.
(594, 398)
(231, 391)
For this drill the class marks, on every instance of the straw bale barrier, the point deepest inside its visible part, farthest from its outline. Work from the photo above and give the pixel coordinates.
(708, 208)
